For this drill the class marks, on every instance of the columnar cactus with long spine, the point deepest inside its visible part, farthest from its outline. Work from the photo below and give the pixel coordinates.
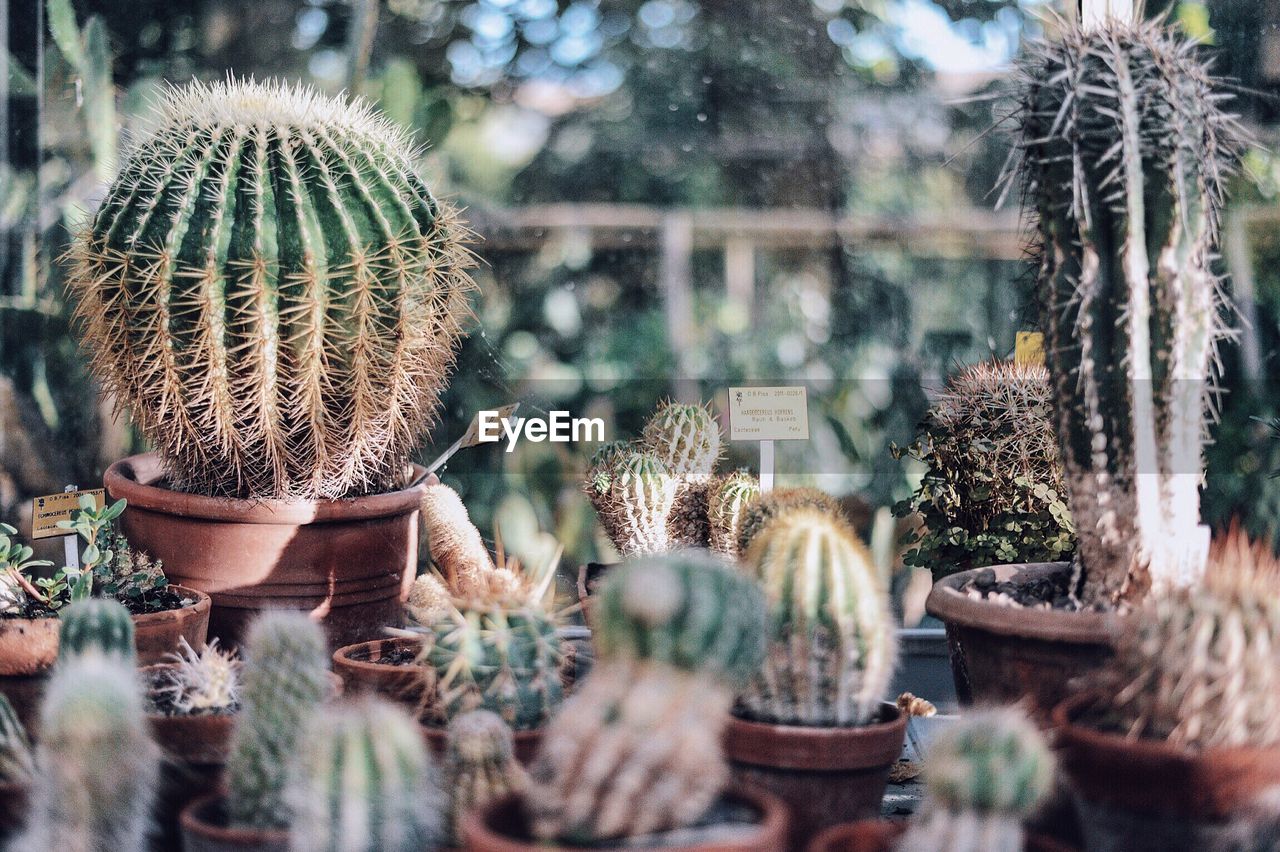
(636, 501)
(273, 292)
(770, 505)
(99, 623)
(284, 680)
(728, 500)
(364, 783)
(480, 764)
(1125, 151)
(97, 769)
(456, 546)
(686, 438)
(984, 775)
(831, 639)
(17, 766)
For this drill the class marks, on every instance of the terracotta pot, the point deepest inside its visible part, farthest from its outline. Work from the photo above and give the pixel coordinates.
(1136, 794)
(347, 562)
(362, 673)
(526, 742)
(156, 634)
(13, 809)
(825, 775)
(501, 827)
(879, 835)
(1000, 654)
(204, 829)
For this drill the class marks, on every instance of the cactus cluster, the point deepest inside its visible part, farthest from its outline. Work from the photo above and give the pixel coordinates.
(1125, 150)
(985, 773)
(480, 764)
(272, 292)
(637, 749)
(96, 623)
(199, 683)
(729, 499)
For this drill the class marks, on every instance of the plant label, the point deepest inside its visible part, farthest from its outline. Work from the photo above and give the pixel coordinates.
(1028, 349)
(46, 511)
(768, 414)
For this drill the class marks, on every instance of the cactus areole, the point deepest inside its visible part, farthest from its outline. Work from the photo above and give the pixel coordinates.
(273, 293)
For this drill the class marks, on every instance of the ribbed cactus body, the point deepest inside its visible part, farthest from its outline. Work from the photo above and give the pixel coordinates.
(831, 638)
(637, 503)
(273, 292)
(480, 764)
(97, 769)
(780, 500)
(728, 500)
(686, 438)
(285, 678)
(364, 782)
(1125, 151)
(16, 762)
(98, 623)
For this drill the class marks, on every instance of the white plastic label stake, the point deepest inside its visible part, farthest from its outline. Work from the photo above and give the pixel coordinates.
(766, 466)
(70, 546)
(768, 414)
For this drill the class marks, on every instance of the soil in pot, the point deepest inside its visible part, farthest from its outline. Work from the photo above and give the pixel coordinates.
(880, 835)
(205, 829)
(746, 820)
(1008, 640)
(825, 775)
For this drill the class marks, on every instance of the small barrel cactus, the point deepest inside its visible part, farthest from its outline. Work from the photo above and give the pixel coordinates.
(97, 769)
(16, 762)
(100, 623)
(761, 511)
(728, 499)
(364, 782)
(639, 492)
(284, 680)
(686, 438)
(456, 546)
(480, 764)
(493, 656)
(273, 292)
(1125, 153)
(984, 775)
(831, 638)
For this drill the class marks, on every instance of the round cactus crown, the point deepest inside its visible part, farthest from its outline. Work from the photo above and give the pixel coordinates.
(761, 511)
(685, 437)
(100, 623)
(990, 761)
(479, 736)
(273, 292)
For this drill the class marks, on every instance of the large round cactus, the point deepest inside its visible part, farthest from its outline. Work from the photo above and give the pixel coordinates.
(272, 292)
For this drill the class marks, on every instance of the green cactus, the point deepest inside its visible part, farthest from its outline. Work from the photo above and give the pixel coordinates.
(500, 657)
(689, 609)
(97, 769)
(1125, 153)
(17, 766)
(831, 638)
(272, 292)
(984, 775)
(600, 468)
(769, 505)
(635, 505)
(284, 679)
(364, 783)
(99, 623)
(480, 764)
(686, 438)
(728, 500)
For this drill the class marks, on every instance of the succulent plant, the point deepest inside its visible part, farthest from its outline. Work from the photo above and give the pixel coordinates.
(99, 623)
(685, 438)
(1125, 149)
(984, 775)
(831, 638)
(634, 496)
(728, 500)
(457, 549)
(97, 769)
(284, 680)
(364, 783)
(199, 683)
(480, 764)
(763, 510)
(992, 492)
(17, 764)
(273, 292)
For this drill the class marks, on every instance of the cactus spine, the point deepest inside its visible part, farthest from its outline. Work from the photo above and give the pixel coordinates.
(97, 769)
(284, 680)
(831, 640)
(99, 623)
(728, 500)
(364, 783)
(685, 438)
(635, 504)
(16, 762)
(1125, 151)
(273, 292)
(480, 764)
(984, 775)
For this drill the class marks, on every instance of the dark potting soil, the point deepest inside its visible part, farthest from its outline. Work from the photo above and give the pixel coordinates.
(396, 657)
(1051, 592)
(156, 600)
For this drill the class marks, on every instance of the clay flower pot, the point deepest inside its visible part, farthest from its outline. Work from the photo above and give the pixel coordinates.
(825, 775)
(502, 827)
(1139, 795)
(999, 653)
(347, 562)
(204, 829)
(156, 634)
(364, 670)
(880, 835)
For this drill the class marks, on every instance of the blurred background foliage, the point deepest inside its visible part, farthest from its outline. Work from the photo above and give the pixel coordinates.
(604, 150)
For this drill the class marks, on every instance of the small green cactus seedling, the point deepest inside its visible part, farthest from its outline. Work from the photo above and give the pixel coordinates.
(685, 438)
(200, 683)
(285, 678)
(637, 502)
(480, 764)
(96, 623)
(17, 765)
(768, 506)
(728, 500)
(984, 775)
(363, 781)
(97, 769)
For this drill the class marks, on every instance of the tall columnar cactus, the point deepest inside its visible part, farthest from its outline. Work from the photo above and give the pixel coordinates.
(1125, 151)
(984, 775)
(634, 493)
(728, 500)
(17, 765)
(364, 782)
(97, 769)
(831, 638)
(480, 764)
(770, 505)
(456, 546)
(273, 292)
(99, 623)
(285, 677)
(686, 438)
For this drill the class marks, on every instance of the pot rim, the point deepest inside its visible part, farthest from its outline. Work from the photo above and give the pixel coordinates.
(192, 820)
(947, 603)
(817, 749)
(202, 602)
(136, 478)
(343, 656)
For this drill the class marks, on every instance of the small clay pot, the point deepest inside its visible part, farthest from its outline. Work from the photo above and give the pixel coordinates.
(204, 829)
(526, 742)
(1001, 654)
(825, 775)
(1137, 794)
(880, 835)
(362, 673)
(14, 799)
(502, 827)
(156, 634)
(348, 563)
